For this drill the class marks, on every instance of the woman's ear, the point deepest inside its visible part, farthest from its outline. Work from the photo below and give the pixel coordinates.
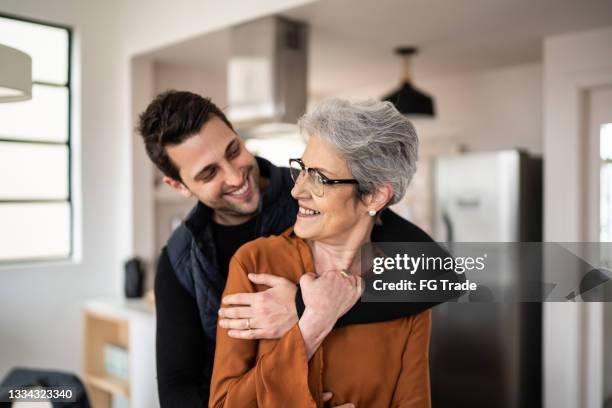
(178, 187)
(379, 198)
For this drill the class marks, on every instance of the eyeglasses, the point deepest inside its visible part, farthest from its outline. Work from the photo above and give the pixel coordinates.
(316, 179)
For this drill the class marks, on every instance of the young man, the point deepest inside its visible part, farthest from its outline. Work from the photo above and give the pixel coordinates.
(241, 197)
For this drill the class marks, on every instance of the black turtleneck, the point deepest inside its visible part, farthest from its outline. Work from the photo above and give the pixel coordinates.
(233, 237)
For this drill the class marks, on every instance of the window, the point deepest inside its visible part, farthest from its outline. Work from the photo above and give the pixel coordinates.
(35, 165)
(605, 206)
(275, 142)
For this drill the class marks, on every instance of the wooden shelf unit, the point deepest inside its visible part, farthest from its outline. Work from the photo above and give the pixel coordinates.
(129, 324)
(108, 384)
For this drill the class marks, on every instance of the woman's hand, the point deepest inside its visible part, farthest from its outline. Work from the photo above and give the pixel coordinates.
(326, 297)
(331, 294)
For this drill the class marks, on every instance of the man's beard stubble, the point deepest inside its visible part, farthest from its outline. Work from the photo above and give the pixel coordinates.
(230, 208)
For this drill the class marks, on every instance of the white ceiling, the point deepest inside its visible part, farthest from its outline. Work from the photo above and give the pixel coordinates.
(209, 51)
(351, 41)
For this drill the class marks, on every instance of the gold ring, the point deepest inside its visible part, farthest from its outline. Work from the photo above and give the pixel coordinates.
(248, 321)
(345, 273)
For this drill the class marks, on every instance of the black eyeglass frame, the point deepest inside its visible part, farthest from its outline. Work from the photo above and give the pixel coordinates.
(324, 179)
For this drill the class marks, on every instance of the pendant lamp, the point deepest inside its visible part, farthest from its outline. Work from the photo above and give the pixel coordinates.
(407, 99)
(15, 75)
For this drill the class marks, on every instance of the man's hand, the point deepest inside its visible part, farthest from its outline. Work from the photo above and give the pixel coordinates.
(328, 395)
(261, 315)
(326, 298)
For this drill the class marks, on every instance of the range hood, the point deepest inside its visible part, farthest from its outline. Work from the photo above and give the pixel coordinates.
(267, 73)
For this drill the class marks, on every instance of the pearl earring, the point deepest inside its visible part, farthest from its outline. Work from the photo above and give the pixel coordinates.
(372, 213)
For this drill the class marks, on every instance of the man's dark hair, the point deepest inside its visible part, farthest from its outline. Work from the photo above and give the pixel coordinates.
(172, 118)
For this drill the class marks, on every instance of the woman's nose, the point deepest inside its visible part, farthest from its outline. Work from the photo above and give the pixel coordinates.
(300, 188)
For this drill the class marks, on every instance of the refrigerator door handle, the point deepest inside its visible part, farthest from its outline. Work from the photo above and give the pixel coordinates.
(448, 224)
(468, 202)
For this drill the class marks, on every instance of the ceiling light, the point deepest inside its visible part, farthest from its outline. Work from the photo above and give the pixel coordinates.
(15, 75)
(407, 99)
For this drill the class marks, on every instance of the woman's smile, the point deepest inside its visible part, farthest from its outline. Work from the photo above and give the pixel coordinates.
(306, 212)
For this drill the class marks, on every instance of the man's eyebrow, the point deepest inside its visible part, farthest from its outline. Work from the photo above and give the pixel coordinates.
(202, 172)
(229, 146)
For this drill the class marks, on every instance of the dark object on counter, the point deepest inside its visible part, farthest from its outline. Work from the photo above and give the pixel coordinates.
(25, 378)
(408, 99)
(134, 278)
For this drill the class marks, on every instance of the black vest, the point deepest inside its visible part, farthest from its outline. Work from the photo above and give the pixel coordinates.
(192, 251)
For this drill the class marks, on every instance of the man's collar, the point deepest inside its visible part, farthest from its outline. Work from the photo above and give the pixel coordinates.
(199, 217)
(275, 186)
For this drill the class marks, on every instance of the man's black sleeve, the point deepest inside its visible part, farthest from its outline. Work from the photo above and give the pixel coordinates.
(372, 312)
(393, 229)
(179, 344)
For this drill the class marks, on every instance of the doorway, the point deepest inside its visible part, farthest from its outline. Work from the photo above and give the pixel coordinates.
(599, 229)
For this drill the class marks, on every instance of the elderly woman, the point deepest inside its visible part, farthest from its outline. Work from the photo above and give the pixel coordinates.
(359, 159)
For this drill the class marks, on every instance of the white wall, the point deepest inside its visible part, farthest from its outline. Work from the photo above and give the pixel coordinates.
(40, 320)
(210, 83)
(157, 23)
(142, 81)
(573, 64)
(493, 109)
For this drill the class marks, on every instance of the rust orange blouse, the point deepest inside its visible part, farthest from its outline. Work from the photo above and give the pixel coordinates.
(370, 365)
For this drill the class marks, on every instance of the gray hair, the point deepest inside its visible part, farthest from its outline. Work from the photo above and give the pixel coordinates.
(379, 144)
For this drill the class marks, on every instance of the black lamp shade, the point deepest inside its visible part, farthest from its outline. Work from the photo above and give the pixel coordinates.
(411, 101)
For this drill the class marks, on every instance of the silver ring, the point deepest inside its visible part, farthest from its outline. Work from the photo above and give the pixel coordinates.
(248, 321)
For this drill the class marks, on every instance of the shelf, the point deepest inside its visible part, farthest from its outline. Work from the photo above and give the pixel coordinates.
(128, 324)
(108, 384)
(120, 309)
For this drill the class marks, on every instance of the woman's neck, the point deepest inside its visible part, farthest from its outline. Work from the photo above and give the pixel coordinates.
(342, 252)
